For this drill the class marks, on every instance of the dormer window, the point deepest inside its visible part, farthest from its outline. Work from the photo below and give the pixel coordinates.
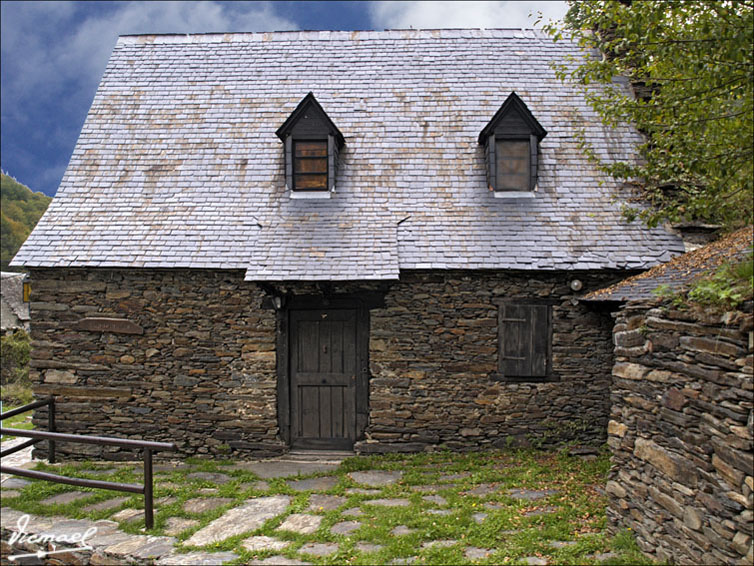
(511, 141)
(310, 165)
(312, 143)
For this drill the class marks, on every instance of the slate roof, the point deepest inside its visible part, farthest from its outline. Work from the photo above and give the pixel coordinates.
(178, 164)
(681, 271)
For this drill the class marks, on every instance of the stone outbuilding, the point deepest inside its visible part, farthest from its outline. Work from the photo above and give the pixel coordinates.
(14, 312)
(681, 427)
(335, 240)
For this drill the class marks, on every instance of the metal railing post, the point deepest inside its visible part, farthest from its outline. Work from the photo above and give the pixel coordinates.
(51, 428)
(148, 502)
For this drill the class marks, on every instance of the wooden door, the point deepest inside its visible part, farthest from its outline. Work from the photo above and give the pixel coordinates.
(323, 369)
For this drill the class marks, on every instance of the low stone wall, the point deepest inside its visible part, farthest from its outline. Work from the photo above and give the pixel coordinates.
(194, 361)
(681, 430)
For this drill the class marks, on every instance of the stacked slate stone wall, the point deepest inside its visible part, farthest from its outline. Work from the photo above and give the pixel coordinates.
(681, 433)
(192, 360)
(434, 360)
(201, 372)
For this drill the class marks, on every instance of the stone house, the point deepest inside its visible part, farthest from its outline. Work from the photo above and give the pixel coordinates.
(335, 240)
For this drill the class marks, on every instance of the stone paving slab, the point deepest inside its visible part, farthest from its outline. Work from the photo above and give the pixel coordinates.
(176, 525)
(143, 547)
(368, 547)
(437, 499)
(362, 491)
(561, 543)
(479, 517)
(319, 548)
(202, 504)
(105, 505)
(401, 530)
(531, 494)
(262, 542)
(8, 493)
(214, 477)
(482, 490)
(248, 517)
(345, 527)
(376, 478)
(258, 485)
(439, 543)
(386, 502)
(454, 477)
(431, 488)
(127, 515)
(546, 510)
(278, 560)
(318, 502)
(197, 559)
(301, 523)
(314, 484)
(441, 512)
(353, 512)
(476, 553)
(65, 498)
(15, 483)
(284, 468)
(535, 560)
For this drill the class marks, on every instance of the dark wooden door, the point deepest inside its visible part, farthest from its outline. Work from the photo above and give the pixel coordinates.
(323, 369)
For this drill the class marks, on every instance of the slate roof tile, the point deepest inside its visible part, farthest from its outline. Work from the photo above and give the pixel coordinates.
(178, 164)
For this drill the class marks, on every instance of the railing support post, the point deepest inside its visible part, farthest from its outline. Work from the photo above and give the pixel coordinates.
(51, 428)
(148, 500)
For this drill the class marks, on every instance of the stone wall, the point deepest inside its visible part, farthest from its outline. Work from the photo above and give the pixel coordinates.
(433, 355)
(202, 372)
(681, 433)
(200, 368)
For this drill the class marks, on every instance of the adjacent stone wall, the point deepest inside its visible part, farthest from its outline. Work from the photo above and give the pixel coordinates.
(681, 433)
(195, 361)
(433, 355)
(201, 373)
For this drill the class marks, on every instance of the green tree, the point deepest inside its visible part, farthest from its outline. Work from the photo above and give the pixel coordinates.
(20, 210)
(691, 71)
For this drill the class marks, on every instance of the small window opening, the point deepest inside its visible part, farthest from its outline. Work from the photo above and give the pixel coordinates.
(310, 165)
(513, 165)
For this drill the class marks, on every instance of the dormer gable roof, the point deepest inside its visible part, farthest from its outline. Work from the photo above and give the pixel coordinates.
(307, 104)
(513, 105)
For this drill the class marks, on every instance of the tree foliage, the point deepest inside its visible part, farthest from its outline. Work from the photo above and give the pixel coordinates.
(690, 68)
(20, 210)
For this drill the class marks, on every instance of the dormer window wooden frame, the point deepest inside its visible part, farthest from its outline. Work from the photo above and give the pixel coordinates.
(311, 144)
(511, 146)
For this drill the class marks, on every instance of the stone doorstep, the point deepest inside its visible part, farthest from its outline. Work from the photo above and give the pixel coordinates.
(107, 543)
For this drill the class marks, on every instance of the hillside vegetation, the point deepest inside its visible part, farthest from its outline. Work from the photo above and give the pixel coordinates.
(20, 210)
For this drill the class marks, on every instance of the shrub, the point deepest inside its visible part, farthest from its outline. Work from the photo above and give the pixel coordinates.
(15, 350)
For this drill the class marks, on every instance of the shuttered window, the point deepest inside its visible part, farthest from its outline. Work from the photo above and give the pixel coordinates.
(513, 165)
(524, 341)
(310, 165)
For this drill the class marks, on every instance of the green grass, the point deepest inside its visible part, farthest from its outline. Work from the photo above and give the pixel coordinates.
(508, 531)
(22, 421)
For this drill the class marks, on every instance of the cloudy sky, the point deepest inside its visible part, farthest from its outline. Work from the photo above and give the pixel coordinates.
(54, 53)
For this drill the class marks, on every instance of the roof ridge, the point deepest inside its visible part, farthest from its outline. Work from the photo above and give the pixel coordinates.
(286, 35)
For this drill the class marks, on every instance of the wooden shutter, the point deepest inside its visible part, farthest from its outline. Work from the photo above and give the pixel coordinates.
(533, 154)
(289, 163)
(491, 162)
(332, 161)
(524, 340)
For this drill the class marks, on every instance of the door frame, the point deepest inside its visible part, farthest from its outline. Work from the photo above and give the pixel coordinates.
(361, 304)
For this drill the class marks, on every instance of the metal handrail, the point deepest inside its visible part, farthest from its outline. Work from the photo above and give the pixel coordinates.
(36, 435)
(50, 425)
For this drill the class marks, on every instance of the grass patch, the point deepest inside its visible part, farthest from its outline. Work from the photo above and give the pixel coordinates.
(478, 512)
